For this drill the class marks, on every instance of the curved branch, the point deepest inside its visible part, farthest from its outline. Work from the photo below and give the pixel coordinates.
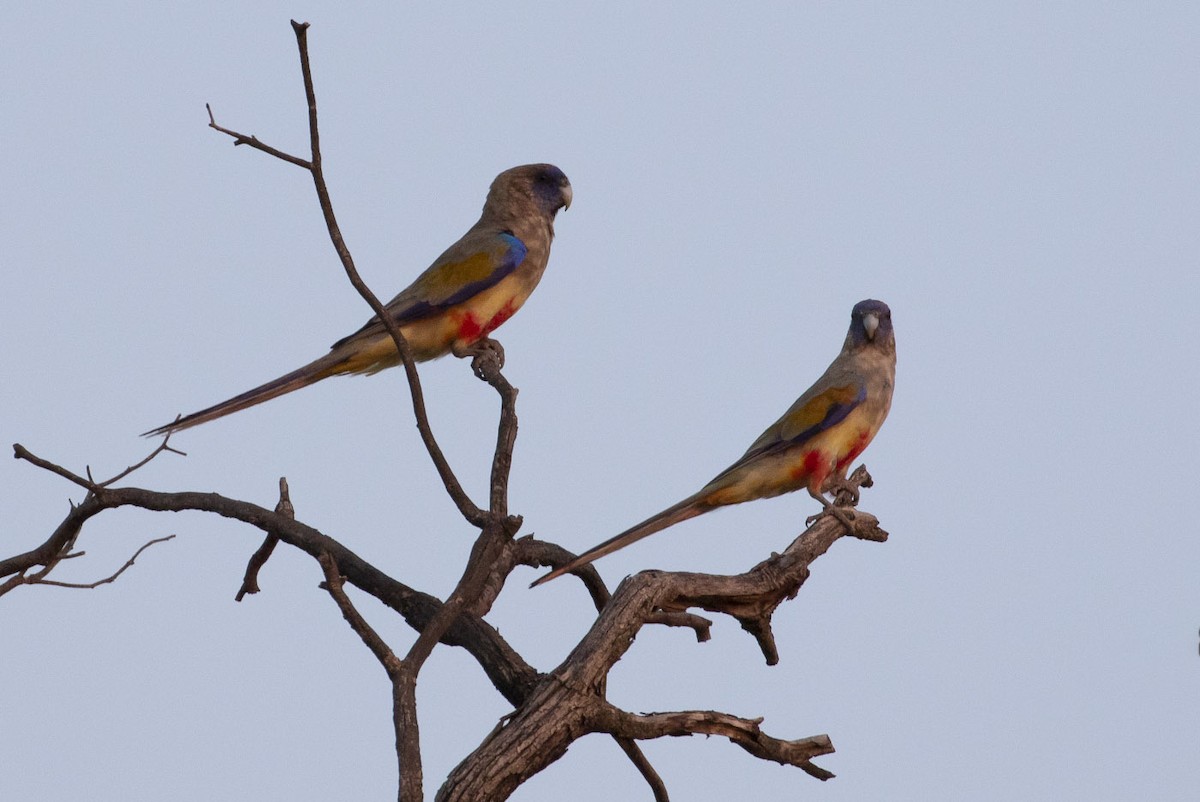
(744, 732)
(454, 488)
(458, 495)
(505, 668)
(543, 554)
(108, 579)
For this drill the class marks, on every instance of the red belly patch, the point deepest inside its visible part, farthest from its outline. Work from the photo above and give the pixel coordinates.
(811, 464)
(857, 448)
(470, 330)
(508, 310)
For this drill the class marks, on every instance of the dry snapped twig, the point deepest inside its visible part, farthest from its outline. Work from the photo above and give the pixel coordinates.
(263, 553)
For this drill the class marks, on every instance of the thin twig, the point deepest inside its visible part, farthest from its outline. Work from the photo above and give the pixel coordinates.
(254, 142)
(454, 488)
(88, 482)
(128, 564)
(642, 764)
(334, 585)
(158, 450)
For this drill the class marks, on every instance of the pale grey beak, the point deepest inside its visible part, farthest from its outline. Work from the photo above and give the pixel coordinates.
(567, 194)
(870, 323)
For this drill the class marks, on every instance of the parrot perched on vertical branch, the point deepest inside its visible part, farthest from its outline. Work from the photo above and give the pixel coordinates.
(469, 291)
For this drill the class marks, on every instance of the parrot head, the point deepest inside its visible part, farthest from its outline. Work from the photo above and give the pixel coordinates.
(871, 323)
(544, 185)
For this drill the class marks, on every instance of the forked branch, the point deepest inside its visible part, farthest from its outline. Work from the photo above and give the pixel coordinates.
(570, 701)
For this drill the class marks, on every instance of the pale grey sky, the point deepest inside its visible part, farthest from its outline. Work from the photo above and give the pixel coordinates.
(1019, 181)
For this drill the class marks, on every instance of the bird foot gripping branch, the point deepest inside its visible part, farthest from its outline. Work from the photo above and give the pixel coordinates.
(487, 357)
(846, 491)
(846, 495)
(844, 514)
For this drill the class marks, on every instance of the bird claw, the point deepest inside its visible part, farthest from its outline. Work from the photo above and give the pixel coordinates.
(846, 490)
(844, 514)
(845, 495)
(487, 356)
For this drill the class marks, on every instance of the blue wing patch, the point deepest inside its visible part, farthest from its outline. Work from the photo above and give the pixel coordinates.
(451, 280)
(505, 262)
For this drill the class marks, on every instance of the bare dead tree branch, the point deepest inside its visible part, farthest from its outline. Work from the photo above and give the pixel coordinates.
(544, 554)
(504, 667)
(569, 702)
(744, 732)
